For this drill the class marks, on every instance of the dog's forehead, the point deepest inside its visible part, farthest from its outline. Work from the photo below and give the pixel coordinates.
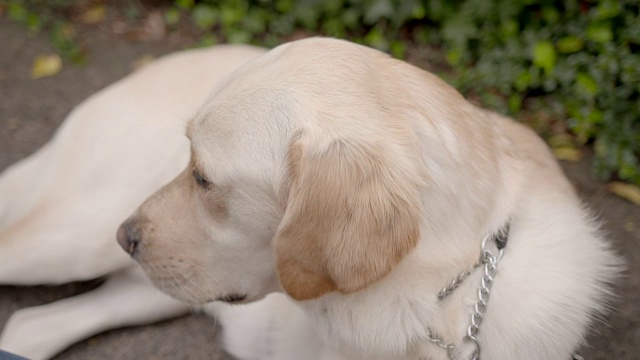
(241, 113)
(241, 133)
(253, 113)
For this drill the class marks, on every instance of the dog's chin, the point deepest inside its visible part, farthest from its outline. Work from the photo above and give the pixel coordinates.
(180, 291)
(197, 297)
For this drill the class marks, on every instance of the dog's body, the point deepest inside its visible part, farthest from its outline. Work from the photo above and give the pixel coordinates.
(298, 142)
(361, 186)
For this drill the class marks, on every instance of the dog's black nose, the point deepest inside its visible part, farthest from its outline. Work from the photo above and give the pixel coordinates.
(128, 239)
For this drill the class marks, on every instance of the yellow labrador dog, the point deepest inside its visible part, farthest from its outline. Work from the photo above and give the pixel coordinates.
(404, 221)
(60, 208)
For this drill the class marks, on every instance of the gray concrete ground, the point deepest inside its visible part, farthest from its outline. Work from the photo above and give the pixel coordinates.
(30, 111)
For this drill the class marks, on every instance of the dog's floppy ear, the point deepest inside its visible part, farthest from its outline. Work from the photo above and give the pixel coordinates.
(352, 214)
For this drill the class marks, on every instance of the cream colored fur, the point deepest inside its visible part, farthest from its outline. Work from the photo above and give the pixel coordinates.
(60, 207)
(360, 186)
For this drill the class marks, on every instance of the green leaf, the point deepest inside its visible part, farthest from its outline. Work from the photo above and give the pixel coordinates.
(238, 36)
(418, 12)
(184, 4)
(551, 14)
(600, 33)
(350, 18)
(34, 22)
(378, 10)
(398, 49)
(509, 29)
(283, 26)
(308, 17)
(206, 41)
(334, 27)
(271, 41)
(376, 39)
(332, 7)
(587, 83)
(204, 16)
(172, 17)
(285, 6)
(608, 9)
(522, 81)
(569, 44)
(17, 12)
(232, 15)
(459, 30)
(515, 102)
(544, 56)
(256, 21)
(453, 57)
(422, 36)
(62, 38)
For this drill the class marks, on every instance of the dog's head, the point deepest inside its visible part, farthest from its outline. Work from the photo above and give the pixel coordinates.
(305, 174)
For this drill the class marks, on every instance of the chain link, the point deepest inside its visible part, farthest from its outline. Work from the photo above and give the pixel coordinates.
(447, 346)
(455, 283)
(490, 262)
(438, 341)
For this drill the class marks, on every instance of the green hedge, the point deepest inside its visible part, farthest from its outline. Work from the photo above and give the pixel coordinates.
(583, 53)
(574, 66)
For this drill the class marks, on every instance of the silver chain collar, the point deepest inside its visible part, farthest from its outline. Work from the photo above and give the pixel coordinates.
(490, 262)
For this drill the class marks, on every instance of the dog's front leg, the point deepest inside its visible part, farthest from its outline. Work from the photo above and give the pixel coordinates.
(126, 299)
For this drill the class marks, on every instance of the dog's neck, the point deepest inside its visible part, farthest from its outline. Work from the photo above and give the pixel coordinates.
(393, 318)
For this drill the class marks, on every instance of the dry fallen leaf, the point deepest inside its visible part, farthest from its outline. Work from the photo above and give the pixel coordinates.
(46, 65)
(68, 31)
(626, 191)
(561, 140)
(567, 153)
(12, 123)
(136, 34)
(142, 61)
(94, 14)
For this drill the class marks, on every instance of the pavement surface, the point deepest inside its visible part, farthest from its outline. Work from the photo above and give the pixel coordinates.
(30, 111)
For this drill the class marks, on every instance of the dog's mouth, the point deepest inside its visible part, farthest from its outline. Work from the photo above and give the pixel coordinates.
(232, 298)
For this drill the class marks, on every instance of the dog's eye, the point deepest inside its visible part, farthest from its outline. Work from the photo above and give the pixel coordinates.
(199, 179)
